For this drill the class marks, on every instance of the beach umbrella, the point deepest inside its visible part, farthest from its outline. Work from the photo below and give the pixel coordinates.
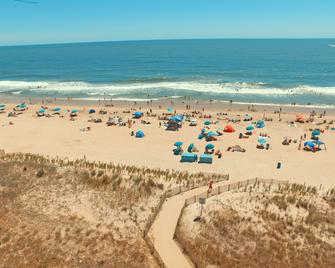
(207, 123)
(262, 141)
(260, 124)
(138, 114)
(2, 105)
(41, 111)
(178, 143)
(57, 109)
(91, 111)
(139, 134)
(74, 111)
(170, 109)
(210, 146)
(316, 133)
(250, 128)
(211, 133)
(190, 147)
(309, 144)
(177, 118)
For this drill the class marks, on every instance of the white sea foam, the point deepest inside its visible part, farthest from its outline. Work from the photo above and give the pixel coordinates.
(122, 88)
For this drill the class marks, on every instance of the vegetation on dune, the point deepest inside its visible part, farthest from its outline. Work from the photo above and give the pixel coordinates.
(62, 213)
(289, 226)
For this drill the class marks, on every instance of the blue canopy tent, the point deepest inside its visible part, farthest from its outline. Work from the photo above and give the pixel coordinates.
(137, 115)
(139, 134)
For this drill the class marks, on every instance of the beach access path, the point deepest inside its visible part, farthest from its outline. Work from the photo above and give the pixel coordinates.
(163, 228)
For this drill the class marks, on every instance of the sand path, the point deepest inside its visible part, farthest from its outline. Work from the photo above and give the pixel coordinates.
(163, 228)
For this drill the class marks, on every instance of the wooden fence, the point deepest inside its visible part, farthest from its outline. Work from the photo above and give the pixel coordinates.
(169, 193)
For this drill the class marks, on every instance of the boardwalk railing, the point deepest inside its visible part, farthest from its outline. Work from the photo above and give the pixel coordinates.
(169, 193)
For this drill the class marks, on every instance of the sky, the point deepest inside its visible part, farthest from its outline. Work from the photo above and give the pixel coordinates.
(67, 21)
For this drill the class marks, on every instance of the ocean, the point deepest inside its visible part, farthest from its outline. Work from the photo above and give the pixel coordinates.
(274, 71)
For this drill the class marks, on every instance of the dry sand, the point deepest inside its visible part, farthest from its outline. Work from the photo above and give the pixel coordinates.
(57, 136)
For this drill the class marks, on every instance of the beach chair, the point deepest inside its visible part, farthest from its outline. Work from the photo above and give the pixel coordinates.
(206, 158)
(189, 157)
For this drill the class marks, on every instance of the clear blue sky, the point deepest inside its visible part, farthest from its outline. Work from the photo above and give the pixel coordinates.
(54, 21)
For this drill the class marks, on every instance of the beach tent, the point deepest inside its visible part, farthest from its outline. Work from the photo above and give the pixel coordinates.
(260, 124)
(91, 111)
(229, 129)
(139, 134)
(137, 115)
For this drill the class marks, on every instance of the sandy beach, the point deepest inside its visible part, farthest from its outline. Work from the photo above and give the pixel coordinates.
(59, 136)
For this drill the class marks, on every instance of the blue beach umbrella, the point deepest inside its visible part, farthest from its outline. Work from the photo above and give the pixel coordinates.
(260, 124)
(316, 133)
(250, 128)
(74, 111)
(207, 123)
(139, 134)
(177, 118)
(190, 147)
(41, 111)
(91, 111)
(210, 146)
(2, 105)
(178, 143)
(262, 141)
(138, 114)
(57, 109)
(309, 144)
(211, 133)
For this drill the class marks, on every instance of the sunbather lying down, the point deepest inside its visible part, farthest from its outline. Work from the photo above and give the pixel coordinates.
(85, 129)
(236, 148)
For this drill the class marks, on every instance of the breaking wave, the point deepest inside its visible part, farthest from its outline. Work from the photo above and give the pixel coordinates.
(168, 87)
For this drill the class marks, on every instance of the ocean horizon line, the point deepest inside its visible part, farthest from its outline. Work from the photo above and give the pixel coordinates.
(163, 40)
